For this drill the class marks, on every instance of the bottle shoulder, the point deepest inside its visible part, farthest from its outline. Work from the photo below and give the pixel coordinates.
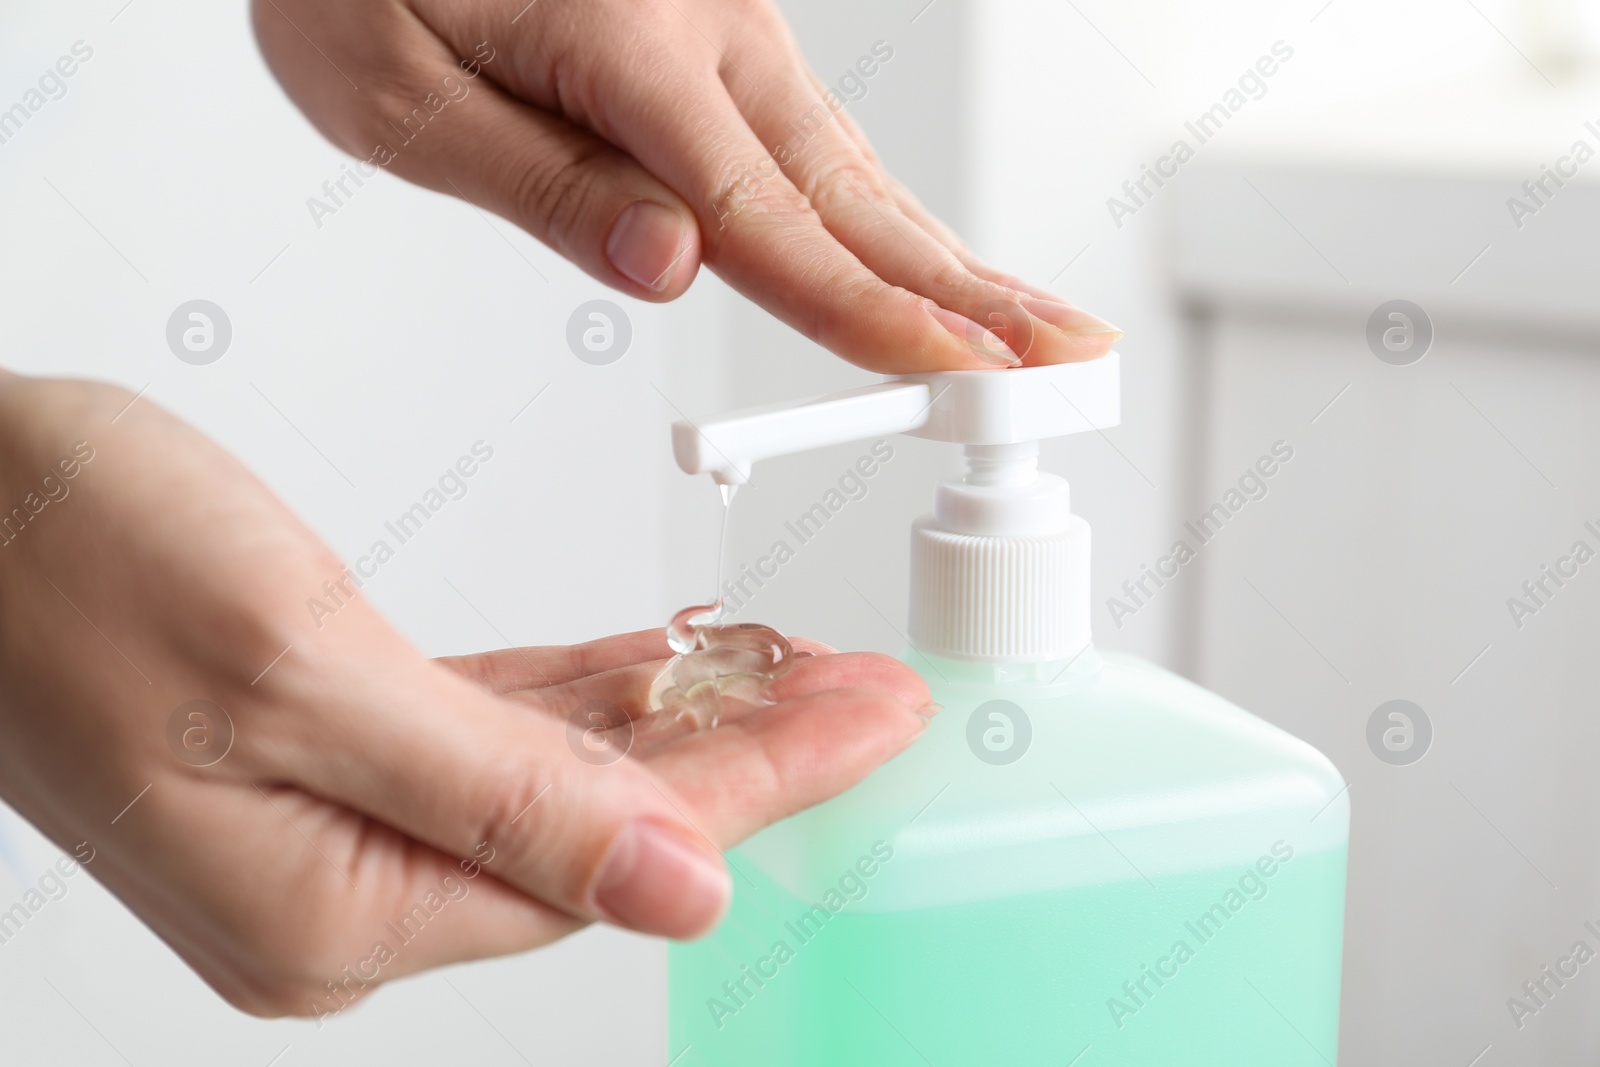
(1126, 770)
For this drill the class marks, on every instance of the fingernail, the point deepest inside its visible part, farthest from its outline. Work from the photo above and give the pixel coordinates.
(656, 882)
(1068, 319)
(927, 712)
(646, 243)
(984, 343)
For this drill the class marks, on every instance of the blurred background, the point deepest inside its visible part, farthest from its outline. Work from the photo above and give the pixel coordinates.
(1384, 159)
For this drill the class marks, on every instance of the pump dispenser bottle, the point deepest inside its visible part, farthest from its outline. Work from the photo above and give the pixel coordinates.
(1086, 860)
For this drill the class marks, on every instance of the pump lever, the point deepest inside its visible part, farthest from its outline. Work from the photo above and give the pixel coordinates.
(727, 447)
(969, 407)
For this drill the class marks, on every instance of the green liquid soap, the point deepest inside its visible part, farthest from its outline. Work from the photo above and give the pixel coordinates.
(1088, 863)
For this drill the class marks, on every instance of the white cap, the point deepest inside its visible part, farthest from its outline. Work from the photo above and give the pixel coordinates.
(1000, 570)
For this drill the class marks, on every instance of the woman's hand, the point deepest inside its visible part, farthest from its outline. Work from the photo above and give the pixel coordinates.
(339, 810)
(640, 138)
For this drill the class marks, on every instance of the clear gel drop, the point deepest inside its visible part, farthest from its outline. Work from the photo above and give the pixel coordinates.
(719, 670)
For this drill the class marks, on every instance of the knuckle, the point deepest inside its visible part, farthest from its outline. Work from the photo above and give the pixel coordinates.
(555, 195)
(550, 828)
(843, 184)
(515, 810)
(392, 112)
(255, 639)
(753, 24)
(751, 193)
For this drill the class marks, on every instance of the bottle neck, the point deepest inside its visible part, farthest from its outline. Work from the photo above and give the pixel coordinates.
(1002, 465)
(1002, 493)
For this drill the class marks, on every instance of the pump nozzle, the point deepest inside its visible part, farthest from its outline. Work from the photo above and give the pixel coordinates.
(728, 445)
(1000, 570)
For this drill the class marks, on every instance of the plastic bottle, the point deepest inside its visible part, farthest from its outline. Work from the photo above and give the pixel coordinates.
(1086, 860)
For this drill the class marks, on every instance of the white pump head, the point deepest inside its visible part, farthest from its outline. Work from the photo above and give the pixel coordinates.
(1000, 570)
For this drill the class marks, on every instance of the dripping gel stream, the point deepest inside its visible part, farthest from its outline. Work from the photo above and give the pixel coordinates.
(721, 670)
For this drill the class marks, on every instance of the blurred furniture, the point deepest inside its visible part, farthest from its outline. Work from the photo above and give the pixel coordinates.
(1419, 500)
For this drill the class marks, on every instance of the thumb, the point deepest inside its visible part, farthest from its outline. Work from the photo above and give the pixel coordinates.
(475, 776)
(582, 196)
(441, 122)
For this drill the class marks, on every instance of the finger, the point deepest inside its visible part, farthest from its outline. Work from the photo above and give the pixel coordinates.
(511, 670)
(837, 171)
(854, 670)
(916, 212)
(752, 772)
(629, 687)
(913, 209)
(767, 240)
(422, 750)
(508, 670)
(846, 187)
(578, 194)
(1052, 305)
(299, 937)
(757, 231)
(432, 117)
